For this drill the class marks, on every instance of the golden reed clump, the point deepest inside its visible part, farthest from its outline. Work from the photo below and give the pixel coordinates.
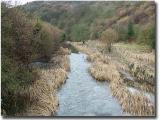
(148, 58)
(137, 103)
(103, 71)
(61, 61)
(135, 59)
(63, 51)
(44, 90)
(140, 63)
(43, 98)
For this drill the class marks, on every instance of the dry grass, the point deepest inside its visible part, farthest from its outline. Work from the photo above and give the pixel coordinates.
(104, 68)
(63, 51)
(136, 59)
(98, 57)
(129, 51)
(43, 99)
(140, 63)
(136, 104)
(61, 61)
(44, 91)
(101, 71)
(143, 74)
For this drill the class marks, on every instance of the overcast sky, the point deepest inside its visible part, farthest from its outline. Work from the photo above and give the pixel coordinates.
(19, 2)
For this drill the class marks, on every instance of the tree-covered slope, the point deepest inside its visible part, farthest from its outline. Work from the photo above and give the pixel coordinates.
(87, 20)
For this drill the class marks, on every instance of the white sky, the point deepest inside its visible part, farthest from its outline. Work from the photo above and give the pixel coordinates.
(19, 2)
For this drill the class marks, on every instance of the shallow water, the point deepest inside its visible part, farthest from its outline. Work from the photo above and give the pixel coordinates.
(81, 95)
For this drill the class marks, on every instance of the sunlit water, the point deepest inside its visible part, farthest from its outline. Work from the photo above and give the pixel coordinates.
(81, 95)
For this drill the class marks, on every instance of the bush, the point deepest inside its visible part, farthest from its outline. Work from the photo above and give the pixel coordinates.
(16, 55)
(17, 35)
(96, 29)
(147, 35)
(63, 37)
(108, 37)
(79, 32)
(23, 40)
(122, 32)
(130, 33)
(46, 39)
(14, 78)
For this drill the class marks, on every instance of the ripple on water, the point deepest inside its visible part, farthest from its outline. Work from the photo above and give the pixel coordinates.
(81, 95)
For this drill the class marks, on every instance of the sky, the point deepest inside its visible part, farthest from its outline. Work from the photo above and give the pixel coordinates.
(22, 2)
(19, 2)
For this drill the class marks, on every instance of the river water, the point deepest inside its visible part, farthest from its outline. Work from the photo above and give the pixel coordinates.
(82, 95)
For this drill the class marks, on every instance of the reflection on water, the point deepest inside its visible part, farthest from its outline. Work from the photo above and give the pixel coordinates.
(81, 95)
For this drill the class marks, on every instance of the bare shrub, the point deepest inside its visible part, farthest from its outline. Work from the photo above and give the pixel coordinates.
(109, 36)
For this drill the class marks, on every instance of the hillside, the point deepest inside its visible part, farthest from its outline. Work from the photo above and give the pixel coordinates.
(87, 20)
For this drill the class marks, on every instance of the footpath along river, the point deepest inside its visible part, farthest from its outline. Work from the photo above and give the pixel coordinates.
(82, 95)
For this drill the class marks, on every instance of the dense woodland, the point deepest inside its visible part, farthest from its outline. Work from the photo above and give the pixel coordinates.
(34, 31)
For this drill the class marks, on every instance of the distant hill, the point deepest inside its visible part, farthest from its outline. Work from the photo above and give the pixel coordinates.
(87, 20)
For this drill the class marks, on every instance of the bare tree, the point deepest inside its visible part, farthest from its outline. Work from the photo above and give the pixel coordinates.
(109, 36)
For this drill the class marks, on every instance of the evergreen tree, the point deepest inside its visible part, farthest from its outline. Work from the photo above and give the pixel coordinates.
(130, 33)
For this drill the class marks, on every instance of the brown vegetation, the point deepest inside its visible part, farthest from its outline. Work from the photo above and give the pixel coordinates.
(136, 59)
(134, 103)
(140, 64)
(109, 36)
(24, 41)
(43, 98)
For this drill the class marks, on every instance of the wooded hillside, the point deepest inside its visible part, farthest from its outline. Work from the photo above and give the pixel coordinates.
(87, 20)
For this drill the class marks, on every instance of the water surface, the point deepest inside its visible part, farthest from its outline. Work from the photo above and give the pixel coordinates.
(81, 95)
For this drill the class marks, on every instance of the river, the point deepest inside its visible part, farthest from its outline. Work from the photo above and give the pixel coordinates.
(82, 95)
